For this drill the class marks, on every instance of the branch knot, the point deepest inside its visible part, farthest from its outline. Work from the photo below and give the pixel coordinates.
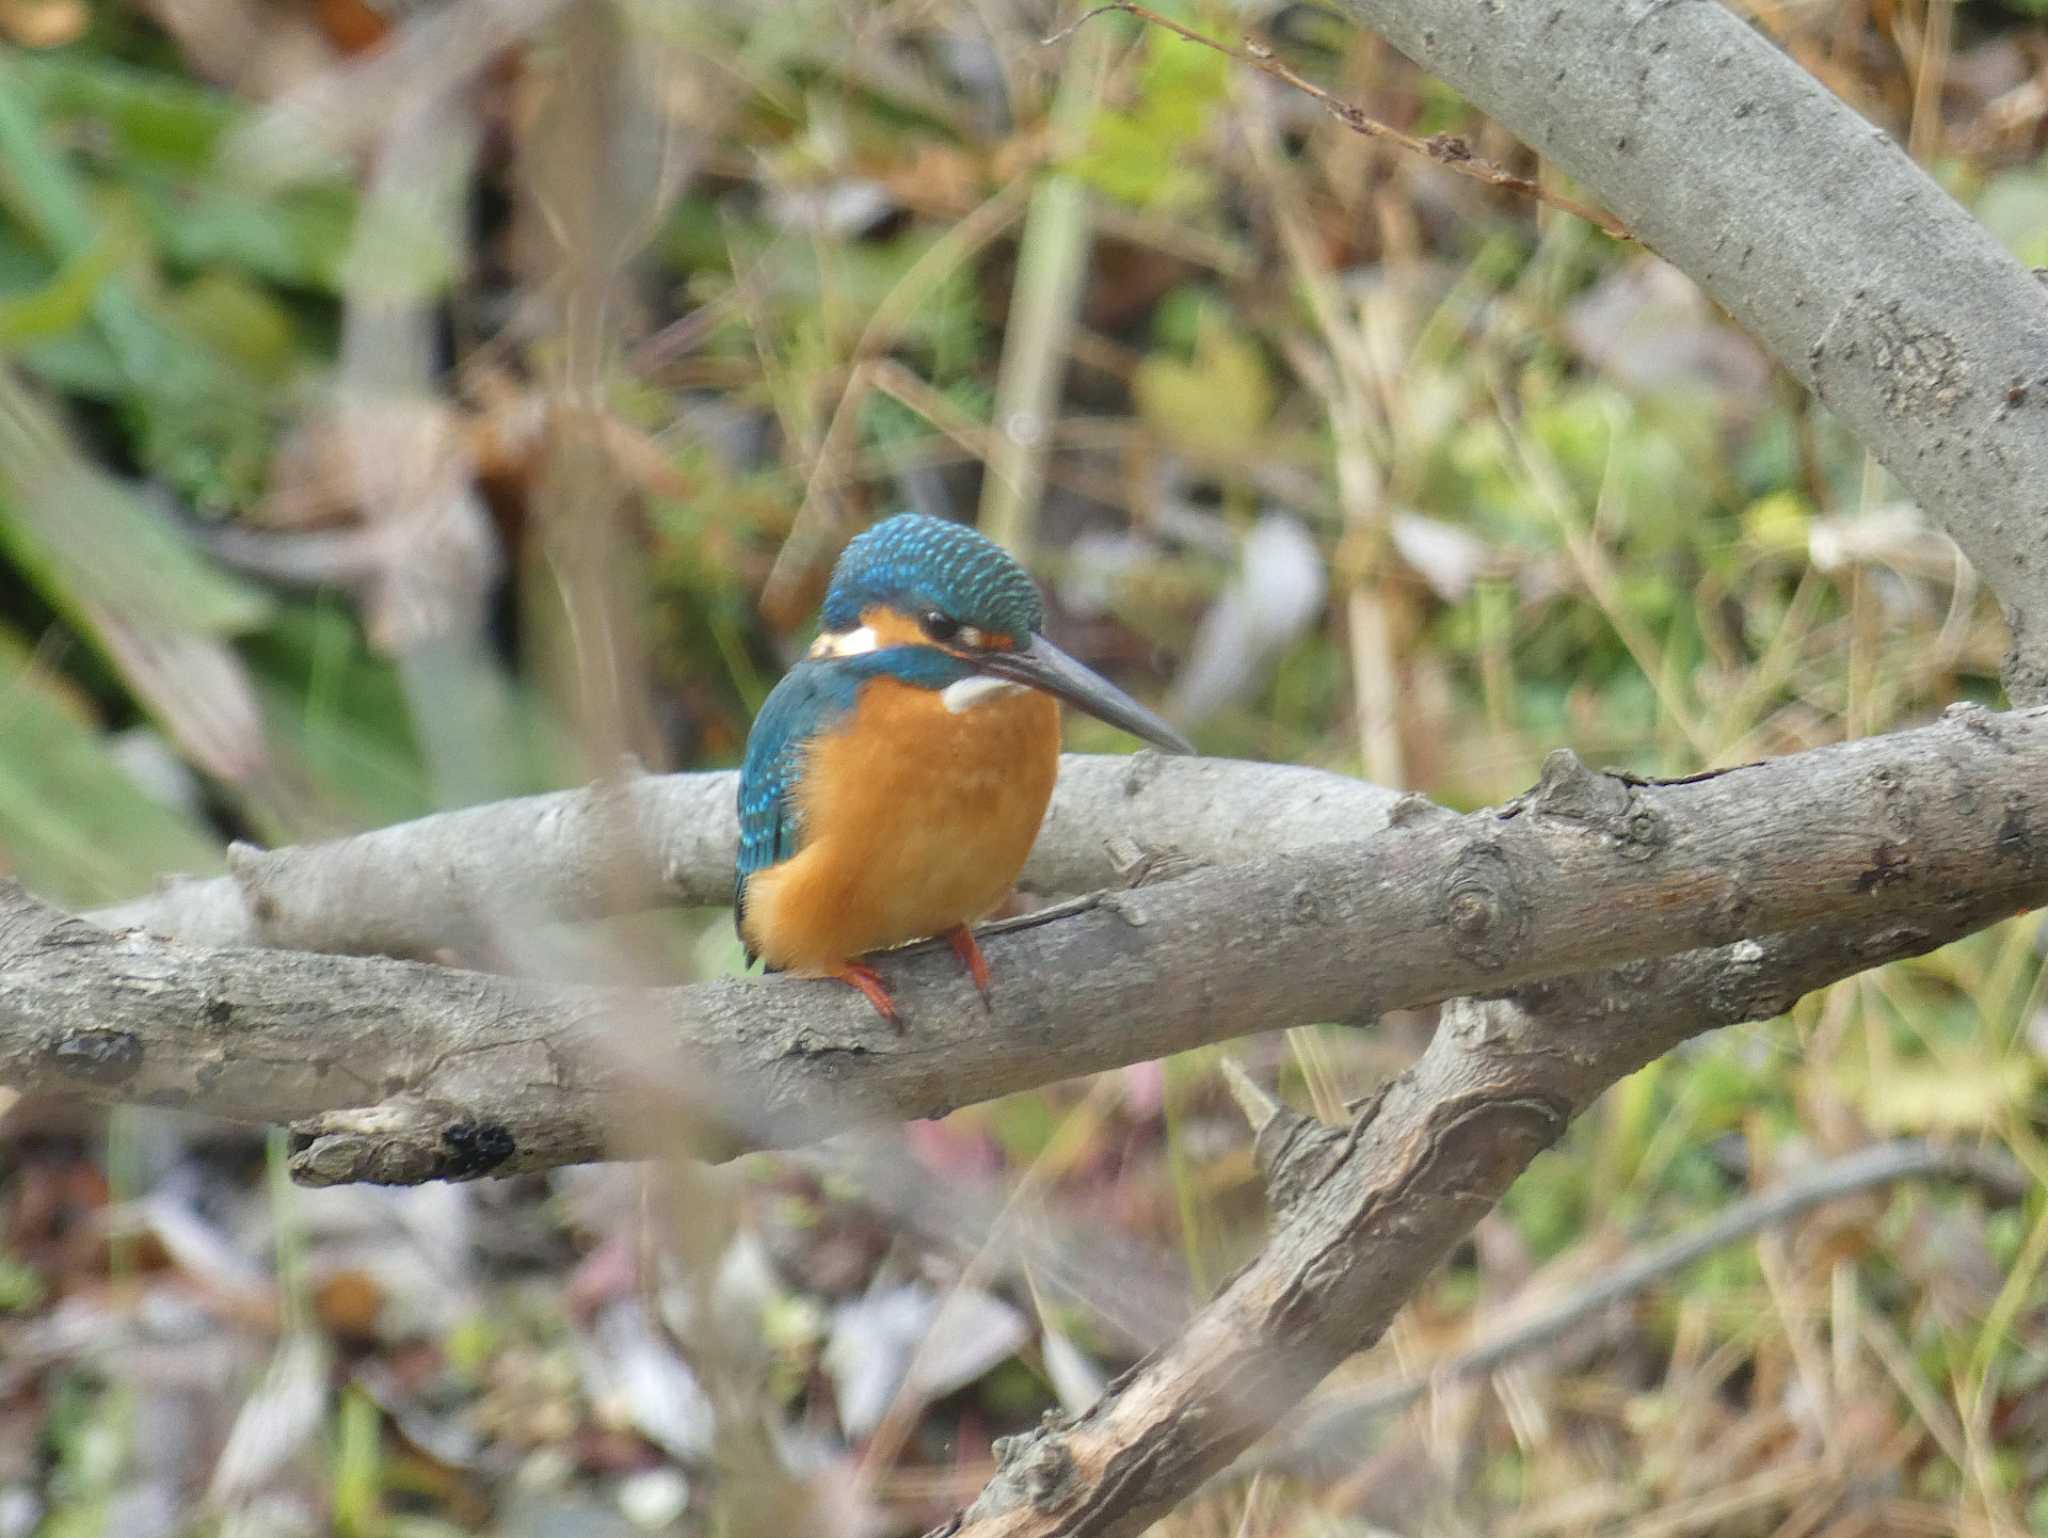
(1482, 907)
(1604, 803)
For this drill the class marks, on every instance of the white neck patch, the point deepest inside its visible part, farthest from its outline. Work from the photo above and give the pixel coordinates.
(845, 643)
(961, 697)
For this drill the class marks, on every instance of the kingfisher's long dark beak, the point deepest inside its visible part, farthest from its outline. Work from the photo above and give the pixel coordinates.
(1043, 665)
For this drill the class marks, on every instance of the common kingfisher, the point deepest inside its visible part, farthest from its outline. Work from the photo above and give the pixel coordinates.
(896, 777)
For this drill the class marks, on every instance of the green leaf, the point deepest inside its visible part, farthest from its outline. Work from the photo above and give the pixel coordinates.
(1779, 523)
(1215, 407)
(2014, 206)
(64, 302)
(35, 185)
(340, 712)
(148, 116)
(358, 1466)
(202, 424)
(74, 824)
(237, 319)
(297, 237)
(21, 1286)
(1142, 155)
(84, 539)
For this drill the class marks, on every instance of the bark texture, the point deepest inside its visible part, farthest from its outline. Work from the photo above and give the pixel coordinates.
(461, 881)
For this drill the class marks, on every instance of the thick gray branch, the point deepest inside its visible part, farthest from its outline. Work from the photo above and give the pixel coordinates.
(456, 881)
(1809, 226)
(430, 1071)
(1374, 1207)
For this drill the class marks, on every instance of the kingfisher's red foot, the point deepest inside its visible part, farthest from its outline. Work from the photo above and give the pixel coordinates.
(969, 951)
(870, 983)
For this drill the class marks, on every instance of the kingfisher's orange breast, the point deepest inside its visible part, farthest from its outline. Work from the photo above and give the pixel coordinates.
(916, 818)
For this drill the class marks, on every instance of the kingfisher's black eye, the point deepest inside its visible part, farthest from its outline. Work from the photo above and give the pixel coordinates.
(940, 627)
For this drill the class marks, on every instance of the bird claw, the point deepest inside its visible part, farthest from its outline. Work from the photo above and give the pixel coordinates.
(858, 974)
(961, 938)
(869, 982)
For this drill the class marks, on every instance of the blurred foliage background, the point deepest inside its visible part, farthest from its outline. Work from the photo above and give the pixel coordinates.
(401, 407)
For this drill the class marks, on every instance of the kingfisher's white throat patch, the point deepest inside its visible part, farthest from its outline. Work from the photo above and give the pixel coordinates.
(845, 643)
(963, 696)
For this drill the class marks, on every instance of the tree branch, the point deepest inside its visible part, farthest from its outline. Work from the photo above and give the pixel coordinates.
(1708, 902)
(1815, 232)
(413, 1072)
(1373, 1207)
(1842, 858)
(1809, 226)
(459, 880)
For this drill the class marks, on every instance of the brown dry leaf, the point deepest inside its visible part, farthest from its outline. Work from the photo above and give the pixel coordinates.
(1276, 594)
(382, 500)
(910, 1340)
(349, 1303)
(344, 110)
(43, 23)
(938, 181)
(1076, 1377)
(351, 25)
(609, 1272)
(207, 1258)
(1447, 557)
(1947, 1097)
(1946, 1248)
(198, 687)
(1651, 327)
(634, 1378)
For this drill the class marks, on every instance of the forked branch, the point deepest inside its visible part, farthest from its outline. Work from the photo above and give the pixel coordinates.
(1378, 1204)
(408, 1072)
(1753, 885)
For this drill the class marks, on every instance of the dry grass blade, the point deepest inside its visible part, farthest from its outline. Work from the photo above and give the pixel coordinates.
(1052, 265)
(814, 534)
(1342, 1423)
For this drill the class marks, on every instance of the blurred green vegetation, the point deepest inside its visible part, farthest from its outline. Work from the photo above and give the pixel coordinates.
(1582, 509)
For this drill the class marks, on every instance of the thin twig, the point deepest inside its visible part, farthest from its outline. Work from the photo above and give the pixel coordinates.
(1342, 1422)
(1450, 151)
(813, 537)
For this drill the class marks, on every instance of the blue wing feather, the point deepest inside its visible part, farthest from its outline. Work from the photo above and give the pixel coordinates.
(812, 697)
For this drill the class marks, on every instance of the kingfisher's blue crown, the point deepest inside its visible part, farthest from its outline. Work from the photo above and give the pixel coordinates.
(913, 564)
